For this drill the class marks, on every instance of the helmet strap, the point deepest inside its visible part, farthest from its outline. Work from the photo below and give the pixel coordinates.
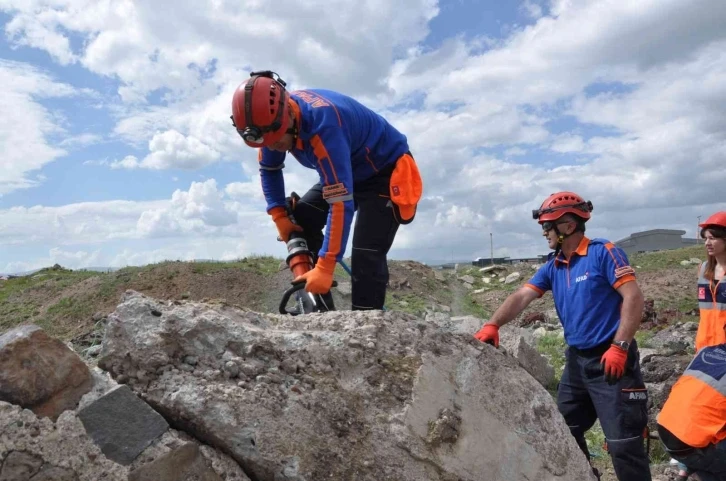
(561, 239)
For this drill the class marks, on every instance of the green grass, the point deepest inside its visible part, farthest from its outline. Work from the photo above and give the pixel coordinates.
(553, 346)
(16, 308)
(265, 265)
(410, 303)
(474, 309)
(643, 338)
(651, 261)
(595, 443)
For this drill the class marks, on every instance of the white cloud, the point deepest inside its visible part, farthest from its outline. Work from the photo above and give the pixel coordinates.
(531, 9)
(172, 149)
(567, 143)
(620, 101)
(81, 140)
(25, 124)
(129, 162)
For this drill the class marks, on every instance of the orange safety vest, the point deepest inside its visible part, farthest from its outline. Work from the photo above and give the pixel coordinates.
(712, 308)
(695, 411)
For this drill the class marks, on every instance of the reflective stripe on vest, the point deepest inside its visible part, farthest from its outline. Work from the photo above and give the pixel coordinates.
(712, 310)
(709, 367)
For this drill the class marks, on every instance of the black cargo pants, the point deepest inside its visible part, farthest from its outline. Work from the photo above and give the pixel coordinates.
(373, 234)
(584, 396)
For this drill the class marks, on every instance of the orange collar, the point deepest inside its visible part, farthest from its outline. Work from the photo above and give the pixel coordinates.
(296, 111)
(580, 251)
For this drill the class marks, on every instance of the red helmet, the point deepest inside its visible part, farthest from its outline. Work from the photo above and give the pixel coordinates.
(717, 219)
(561, 203)
(260, 110)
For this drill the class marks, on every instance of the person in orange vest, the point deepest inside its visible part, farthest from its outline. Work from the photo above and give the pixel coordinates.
(711, 284)
(711, 290)
(364, 167)
(692, 423)
(600, 307)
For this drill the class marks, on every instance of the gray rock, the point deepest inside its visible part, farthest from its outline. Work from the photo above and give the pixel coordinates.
(513, 277)
(122, 441)
(551, 317)
(532, 361)
(673, 339)
(422, 403)
(20, 466)
(185, 463)
(55, 473)
(467, 279)
(344, 288)
(67, 453)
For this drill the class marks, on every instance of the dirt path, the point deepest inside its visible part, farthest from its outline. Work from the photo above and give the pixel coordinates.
(458, 296)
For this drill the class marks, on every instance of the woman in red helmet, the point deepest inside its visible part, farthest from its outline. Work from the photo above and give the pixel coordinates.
(364, 166)
(711, 284)
(600, 306)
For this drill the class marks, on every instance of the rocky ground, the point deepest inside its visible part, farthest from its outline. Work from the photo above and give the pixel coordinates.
(74, 306)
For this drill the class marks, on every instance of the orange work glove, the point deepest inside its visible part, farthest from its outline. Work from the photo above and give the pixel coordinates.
(320, 279)
(285, 226)
(489, 333)
(613, 363)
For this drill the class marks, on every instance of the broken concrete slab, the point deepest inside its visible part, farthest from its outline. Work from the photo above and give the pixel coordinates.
(54, 473)
(40, 373)
(19, 466)
(373, 395)
(185, 463)
(530, 359)
(122, 441)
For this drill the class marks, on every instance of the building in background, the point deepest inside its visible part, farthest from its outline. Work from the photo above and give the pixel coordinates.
(655, 240)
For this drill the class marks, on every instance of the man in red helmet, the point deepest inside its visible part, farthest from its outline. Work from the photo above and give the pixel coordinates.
(600, 306)
(364, 165)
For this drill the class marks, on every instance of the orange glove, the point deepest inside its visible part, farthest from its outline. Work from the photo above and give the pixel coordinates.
(320, 279)
(285, 227)
(489, 333)
(613, 362)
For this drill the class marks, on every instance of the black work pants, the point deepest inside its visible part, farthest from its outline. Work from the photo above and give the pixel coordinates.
(373, 234)
(584, 396)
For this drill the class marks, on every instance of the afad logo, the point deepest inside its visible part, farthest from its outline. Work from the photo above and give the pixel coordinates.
(582, 278)
(702, 293)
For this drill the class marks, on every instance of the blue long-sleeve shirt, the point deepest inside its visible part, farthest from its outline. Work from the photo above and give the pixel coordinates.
(346, 143)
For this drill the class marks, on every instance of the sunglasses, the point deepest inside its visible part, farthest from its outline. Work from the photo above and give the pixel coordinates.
(548, 226)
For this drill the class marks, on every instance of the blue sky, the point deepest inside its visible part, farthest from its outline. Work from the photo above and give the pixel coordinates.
(502, 102)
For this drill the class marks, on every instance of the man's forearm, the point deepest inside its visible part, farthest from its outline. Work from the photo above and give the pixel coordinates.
(631, 313)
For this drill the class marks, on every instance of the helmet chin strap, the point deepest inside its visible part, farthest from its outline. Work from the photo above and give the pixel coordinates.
(560, 239)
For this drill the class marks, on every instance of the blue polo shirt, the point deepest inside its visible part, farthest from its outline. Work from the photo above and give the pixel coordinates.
(584, 288)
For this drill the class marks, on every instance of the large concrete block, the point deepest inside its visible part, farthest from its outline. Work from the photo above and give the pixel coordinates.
(122, 425)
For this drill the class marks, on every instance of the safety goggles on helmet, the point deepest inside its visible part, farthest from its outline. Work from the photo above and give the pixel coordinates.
(252, 133)
(582, 206)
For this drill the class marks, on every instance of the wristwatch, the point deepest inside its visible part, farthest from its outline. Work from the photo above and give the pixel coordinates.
(624, 345)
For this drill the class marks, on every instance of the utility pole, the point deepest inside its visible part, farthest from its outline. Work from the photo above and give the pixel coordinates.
(491, 246)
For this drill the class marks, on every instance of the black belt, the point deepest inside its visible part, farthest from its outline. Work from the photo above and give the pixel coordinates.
(595, 351)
